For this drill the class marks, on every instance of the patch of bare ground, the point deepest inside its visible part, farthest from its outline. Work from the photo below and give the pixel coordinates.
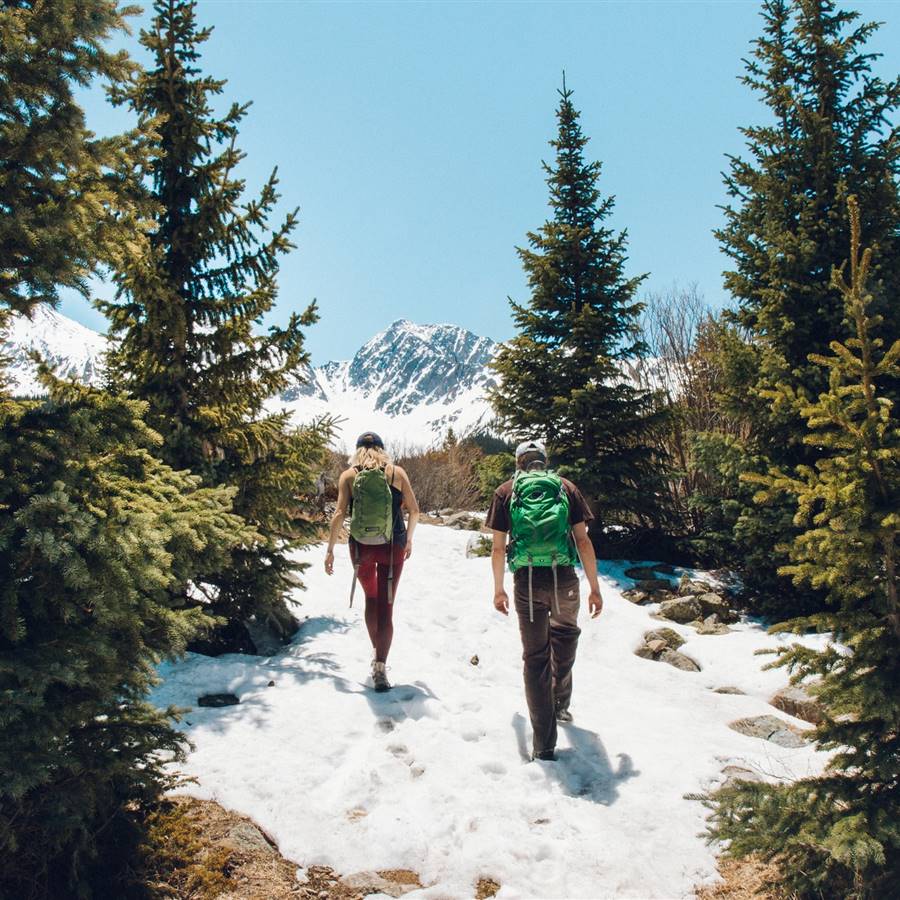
(744, 879)
(198, 850)
(485, 888)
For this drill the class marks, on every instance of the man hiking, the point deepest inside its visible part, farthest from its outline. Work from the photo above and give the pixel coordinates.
(545, 519)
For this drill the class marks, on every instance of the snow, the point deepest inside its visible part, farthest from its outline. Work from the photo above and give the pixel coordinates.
(434, 775)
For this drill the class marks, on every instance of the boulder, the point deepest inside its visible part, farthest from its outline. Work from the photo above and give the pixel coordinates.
(729, 689)
(656, 646)
(217, 700)
(688, 586)
(246, 837)
(679, 660)
(712, 625)
(645, 652)
(680, 609)
(661, 596)
(636, 596)
(734, 774)
(770, 728)
(713, 604)
(796, 702)
(463, 521)
(653, 584)
(668, 636)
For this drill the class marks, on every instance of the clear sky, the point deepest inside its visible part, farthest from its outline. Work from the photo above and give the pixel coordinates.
(411, 134)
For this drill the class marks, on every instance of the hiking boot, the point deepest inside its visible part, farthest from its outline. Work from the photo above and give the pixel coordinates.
(545, 755)
(379, 677)
(564, 716)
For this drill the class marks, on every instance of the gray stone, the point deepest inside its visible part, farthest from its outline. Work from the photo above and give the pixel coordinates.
(712, 625)
(680, 609)
(636, 596)
(373, 883)
(796, 702)
(734, 774)
(679, 660)
(668, 635)
(688, 586)
(244, 836)
(769, 728)
(217, 700)
(462, 521)
(653, 584)
(728, 689)
(659, 596)
(656, 646)
(644, 652)
(713, 604)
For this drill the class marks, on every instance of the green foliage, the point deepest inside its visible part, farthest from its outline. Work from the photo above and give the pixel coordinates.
(561, 376)
(838, 835)
(187, 319)
(100, 543)
(64, 197)
(492, 471)
(829, 134)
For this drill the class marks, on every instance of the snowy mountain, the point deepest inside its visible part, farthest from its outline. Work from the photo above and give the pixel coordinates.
(409, 382)
(71, 349)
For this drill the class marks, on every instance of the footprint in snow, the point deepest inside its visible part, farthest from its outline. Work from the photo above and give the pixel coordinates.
(385, 725)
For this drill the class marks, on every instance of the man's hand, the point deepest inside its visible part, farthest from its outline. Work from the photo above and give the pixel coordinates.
(595, 604)
(501, 602)
(408, 552)
(329, 562)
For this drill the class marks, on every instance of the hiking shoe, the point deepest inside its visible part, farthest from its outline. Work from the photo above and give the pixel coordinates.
(379, 677)
(564, 716)
(546, 755)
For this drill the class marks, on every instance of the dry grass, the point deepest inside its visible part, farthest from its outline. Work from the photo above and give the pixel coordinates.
(744, 879)
(485, 888)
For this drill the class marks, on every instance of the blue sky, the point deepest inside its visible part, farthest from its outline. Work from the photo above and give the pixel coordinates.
(411, 134)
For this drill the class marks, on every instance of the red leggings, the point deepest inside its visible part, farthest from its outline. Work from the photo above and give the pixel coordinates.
(374, 568)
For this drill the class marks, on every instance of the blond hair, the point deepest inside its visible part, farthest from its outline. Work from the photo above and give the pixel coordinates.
(369, 458)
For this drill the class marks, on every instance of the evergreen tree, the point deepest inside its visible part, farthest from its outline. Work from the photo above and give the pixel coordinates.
(99, 544)
(830, 135)
(561, 377)
(187, 312)
(838, 835)
(64, 201)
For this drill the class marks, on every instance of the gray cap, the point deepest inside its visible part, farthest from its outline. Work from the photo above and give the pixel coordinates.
(533, 446)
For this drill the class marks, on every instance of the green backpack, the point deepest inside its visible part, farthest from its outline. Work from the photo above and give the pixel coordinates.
(372, 519)
(539, 526)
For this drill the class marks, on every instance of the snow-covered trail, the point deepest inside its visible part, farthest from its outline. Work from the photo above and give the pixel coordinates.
(434, 775)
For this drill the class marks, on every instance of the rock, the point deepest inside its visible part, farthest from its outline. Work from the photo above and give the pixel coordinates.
(656, 646)
(688, 586)
(475, 660)
(271, 684)
(734, 774)
(770, 728)
(668, 636)
(712, 625)
(244, 836)
(713, 604)
(796, 702)
(680, 609)
(272, 633)
(638, 573)
(653, 584)
(636, 596)
(479, 545)
(463, 521)
(644, 652)
(728, 689)
(373, 883)
(679, 660)
(217, 700)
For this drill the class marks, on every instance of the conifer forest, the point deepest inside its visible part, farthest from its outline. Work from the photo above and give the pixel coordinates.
(176, 508)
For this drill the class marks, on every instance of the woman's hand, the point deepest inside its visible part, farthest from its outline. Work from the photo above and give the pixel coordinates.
(329, 562)
(408, 552)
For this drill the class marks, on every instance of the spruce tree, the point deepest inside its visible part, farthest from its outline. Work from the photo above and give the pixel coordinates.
(99, 545)
(561, 377)
(838, 835)
(830, 134)
(64, 199)
(186, 320)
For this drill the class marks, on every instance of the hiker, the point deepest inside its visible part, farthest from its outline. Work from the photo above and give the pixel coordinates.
(374, 491)
(545, 518)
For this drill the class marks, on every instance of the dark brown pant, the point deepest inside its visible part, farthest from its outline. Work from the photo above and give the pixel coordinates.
(548, 647)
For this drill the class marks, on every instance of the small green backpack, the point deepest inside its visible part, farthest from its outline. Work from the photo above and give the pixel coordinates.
(372, 519)
(539, 526)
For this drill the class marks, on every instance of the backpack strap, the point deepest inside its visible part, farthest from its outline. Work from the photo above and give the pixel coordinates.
(530, 595)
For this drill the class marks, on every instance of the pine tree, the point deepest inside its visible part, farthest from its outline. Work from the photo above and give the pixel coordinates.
(838, 835)
(64, 199)
(561, 377)
(830, 135)
(187, 315)
(99, 544)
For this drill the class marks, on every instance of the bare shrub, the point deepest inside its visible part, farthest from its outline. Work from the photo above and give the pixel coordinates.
(443, 478)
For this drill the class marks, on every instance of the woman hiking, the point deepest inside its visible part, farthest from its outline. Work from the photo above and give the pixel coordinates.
(374, 492)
